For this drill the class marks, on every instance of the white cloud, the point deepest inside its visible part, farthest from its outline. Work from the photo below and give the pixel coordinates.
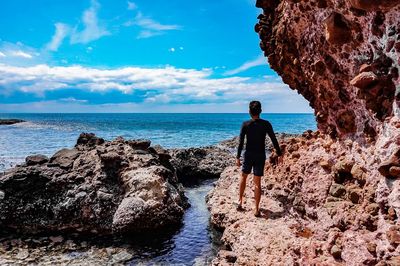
(261, 60)
(72, 100)
(2, 55)
(131, 5)
(92, 29)
(20, 53)
(166, 84)
(149, 27)
(171, 49)
(62, 30)
(181, 48)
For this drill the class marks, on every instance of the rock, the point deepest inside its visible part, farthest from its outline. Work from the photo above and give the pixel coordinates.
(371, 247)
(10, 121)
(373, 209)
(36, 159)
(64, 158)
(394, 171)
(336, 252)
(355, 195)
(56, 239)
(358, 173)
(22, 254)
(393, 235)
(122, 256)
(363, 80)
(337, 190)
(370, 5)
(337, 29)
(342, 170)
(89, 139)
(200, 163)
(2, 195)
(101, 187)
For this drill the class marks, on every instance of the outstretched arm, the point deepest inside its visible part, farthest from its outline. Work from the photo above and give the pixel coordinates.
(241, 141)
(271, 134)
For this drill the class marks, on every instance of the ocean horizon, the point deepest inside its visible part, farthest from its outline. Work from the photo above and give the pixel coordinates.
(45, 133)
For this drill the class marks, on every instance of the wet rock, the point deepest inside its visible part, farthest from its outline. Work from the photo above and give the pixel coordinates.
(36, 159)
(97, 187)
(121, 257)
(10, 121)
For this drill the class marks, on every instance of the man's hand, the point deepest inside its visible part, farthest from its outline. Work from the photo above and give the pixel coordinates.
(238, 164)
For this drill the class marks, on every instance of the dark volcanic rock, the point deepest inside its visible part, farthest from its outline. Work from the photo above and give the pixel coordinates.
(10, 121)
(98, 186)
(200, 163)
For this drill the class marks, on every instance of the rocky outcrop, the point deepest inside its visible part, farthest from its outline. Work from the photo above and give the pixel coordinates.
(200, 163)
(102, 187)
(10, 121)
(335, 199)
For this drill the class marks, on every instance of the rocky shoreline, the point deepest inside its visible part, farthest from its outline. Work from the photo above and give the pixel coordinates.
(335, 199)
(10, 121)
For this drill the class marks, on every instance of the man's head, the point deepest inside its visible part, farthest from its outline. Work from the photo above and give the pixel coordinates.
(255, 108)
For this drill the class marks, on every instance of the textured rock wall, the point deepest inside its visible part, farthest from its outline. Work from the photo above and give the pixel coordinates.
(342, 56)
(335, 199)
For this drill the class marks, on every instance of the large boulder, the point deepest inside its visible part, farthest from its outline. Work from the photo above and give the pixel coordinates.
(201, 163)
(98, 186)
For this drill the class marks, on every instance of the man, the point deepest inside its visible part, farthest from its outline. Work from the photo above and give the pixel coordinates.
(255, 131)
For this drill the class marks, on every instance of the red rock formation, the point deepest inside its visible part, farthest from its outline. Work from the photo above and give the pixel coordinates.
(339, 187)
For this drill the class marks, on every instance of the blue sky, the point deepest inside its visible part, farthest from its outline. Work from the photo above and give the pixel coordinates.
(135, 56)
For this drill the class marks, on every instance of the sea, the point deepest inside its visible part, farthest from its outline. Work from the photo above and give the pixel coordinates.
(195, 243)
(47, 133)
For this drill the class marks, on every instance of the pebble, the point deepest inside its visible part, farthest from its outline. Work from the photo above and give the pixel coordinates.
(22, 254)
(122, 256)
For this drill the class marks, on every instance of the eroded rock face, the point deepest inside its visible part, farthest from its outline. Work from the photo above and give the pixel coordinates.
(103, 187)
(201, 163)
(335, 199)
(342, 56)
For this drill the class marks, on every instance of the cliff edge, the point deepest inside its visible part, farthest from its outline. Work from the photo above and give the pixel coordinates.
(336, 198)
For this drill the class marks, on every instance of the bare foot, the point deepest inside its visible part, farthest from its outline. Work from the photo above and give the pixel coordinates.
(257, 213)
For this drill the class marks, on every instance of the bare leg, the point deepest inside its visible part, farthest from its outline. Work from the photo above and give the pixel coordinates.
(242, 187)
(257, 193)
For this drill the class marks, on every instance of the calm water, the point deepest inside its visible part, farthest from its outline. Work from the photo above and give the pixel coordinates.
(192, 244)
(47, 133)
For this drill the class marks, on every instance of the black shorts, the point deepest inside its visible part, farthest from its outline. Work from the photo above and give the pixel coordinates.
(255, 162)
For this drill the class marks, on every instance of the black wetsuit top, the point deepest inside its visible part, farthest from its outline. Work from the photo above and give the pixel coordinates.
(255, 132)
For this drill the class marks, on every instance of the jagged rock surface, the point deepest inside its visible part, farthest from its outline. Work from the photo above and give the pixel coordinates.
(335, 200)
(201, 163)
(103, 187)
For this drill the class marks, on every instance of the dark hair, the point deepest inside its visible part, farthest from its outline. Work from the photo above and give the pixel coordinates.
(255, 108)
